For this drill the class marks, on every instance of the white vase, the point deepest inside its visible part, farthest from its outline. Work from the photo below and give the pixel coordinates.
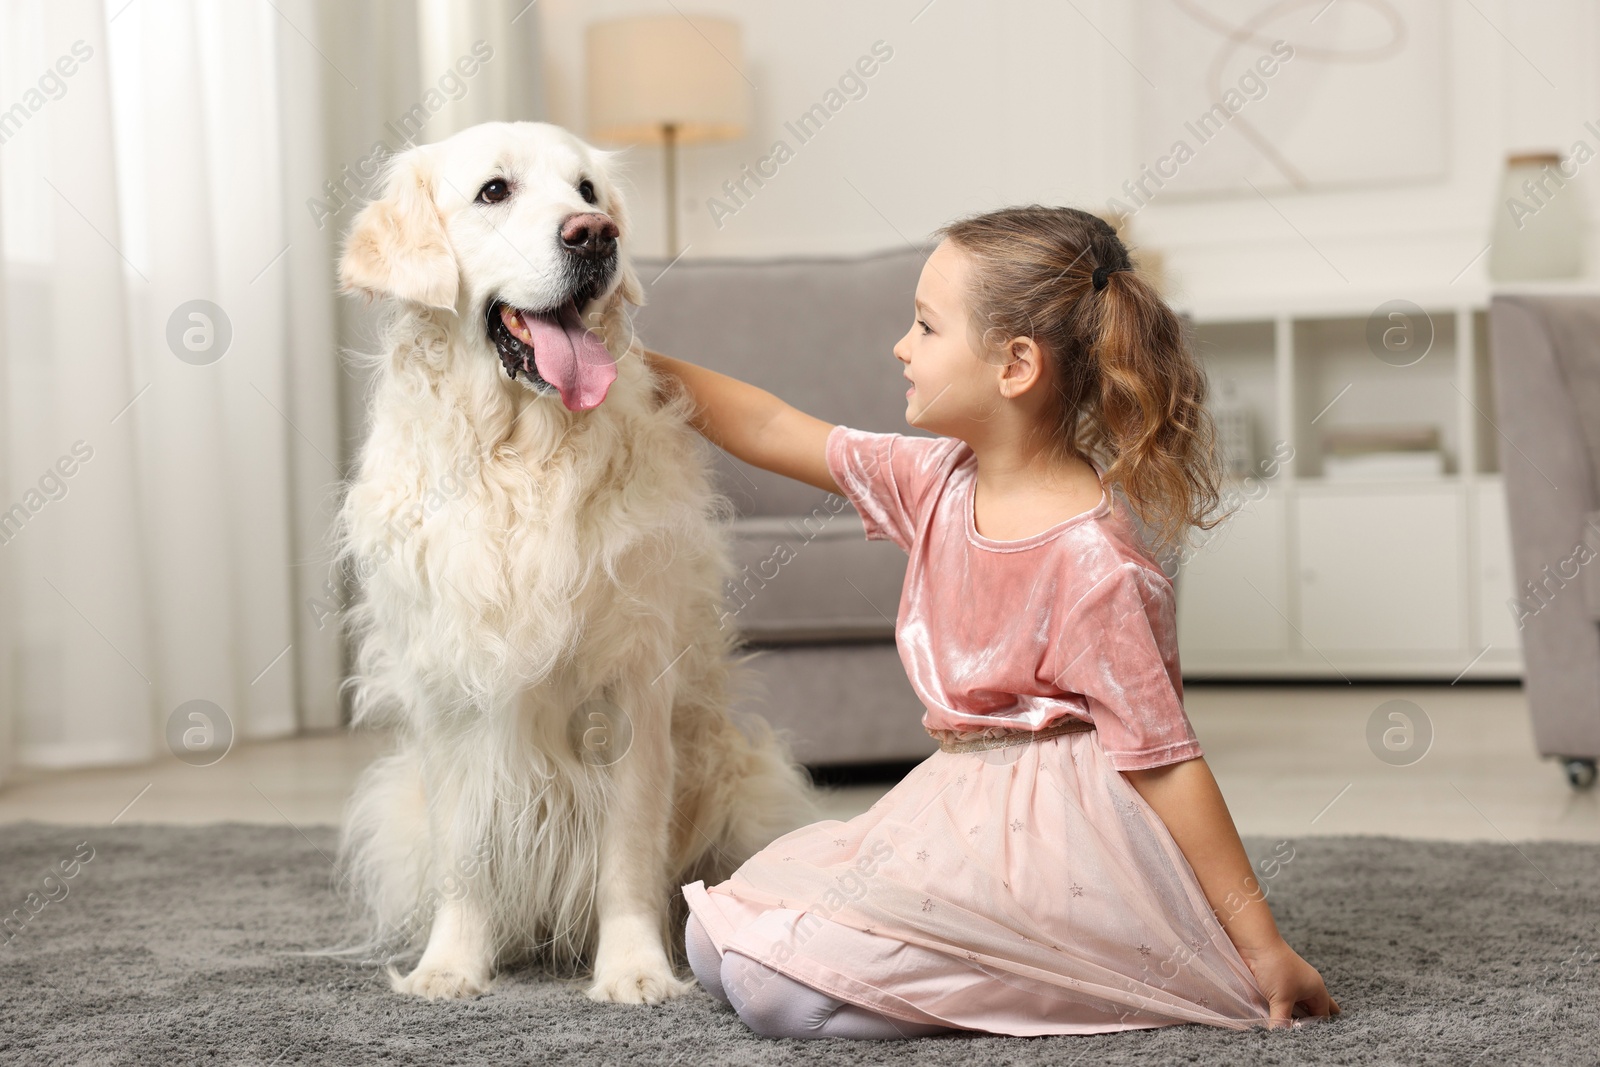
(1538, 226)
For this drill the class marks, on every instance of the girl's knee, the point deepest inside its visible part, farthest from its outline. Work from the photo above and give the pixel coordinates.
(774, 1005)
(704, 960)
(767, 1000)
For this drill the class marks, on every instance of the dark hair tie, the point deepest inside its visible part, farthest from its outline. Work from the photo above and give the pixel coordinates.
(1102, 275)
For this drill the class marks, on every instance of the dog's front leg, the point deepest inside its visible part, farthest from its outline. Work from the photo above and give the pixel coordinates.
(459, 959)
(631, 964)
(460, 956)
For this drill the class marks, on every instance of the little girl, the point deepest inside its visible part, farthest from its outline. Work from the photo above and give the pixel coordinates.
(1065, 864)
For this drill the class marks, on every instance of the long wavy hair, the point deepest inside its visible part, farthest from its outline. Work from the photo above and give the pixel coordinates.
(1126, 387)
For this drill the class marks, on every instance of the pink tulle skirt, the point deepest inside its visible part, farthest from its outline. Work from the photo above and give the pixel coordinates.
(1026, 889)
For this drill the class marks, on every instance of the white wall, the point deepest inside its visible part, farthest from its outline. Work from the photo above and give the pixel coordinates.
(1005, 101)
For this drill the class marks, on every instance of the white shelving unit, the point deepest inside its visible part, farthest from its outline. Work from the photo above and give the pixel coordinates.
(1321, 578)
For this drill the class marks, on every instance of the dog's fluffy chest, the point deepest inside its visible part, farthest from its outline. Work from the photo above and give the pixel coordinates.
(493, 570)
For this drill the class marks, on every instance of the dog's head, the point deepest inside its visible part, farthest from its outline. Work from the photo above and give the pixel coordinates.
(519, 229)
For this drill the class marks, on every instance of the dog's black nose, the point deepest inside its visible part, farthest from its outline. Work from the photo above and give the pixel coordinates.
(590, 234)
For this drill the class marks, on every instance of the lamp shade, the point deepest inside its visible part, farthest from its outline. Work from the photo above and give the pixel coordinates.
(658, 70)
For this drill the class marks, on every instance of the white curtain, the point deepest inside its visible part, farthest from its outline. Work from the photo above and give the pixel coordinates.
(174, 417)
(172, 438)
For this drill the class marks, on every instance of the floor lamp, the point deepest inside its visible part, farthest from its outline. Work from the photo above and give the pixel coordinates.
(669, 80)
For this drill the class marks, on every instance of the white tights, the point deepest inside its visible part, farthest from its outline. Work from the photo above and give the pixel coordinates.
(775, 1005)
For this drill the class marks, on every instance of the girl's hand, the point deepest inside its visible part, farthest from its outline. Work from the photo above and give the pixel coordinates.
(1289, 982)
(751, 424)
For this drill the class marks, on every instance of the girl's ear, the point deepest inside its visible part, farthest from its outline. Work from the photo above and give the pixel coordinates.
(1024, 366)
(397, 245)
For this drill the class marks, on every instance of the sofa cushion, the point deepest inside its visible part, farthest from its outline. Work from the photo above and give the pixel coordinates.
(817, 332)
(813, 577)
(838, 703)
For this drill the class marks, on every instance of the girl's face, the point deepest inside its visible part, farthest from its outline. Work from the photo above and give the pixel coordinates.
(952, 385)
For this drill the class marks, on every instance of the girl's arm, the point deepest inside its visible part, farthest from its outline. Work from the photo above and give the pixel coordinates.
(750, 423)
(1186, 797)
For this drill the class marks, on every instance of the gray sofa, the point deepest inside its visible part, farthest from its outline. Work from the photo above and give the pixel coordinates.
(815, 600)
(1545, 354)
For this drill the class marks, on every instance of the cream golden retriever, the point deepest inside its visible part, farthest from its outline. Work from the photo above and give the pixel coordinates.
(543, 557)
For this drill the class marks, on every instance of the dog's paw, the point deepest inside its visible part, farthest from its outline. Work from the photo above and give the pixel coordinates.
(637, 984)
(438, 983)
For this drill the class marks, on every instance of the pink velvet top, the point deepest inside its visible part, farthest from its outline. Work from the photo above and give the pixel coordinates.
(1077, 620)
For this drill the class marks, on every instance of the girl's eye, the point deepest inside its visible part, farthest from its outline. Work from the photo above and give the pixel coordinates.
(586, 190)
(493, 191)
(925, 327)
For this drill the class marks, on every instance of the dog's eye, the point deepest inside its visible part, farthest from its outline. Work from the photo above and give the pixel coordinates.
(586, 190)
(493, 191)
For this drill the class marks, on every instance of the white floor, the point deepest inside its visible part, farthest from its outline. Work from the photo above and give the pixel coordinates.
(1292, 761)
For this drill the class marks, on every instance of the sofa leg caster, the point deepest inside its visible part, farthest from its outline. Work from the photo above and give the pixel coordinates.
(1580, 772)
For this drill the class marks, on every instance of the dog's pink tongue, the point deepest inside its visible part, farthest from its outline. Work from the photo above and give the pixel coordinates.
(571, 358)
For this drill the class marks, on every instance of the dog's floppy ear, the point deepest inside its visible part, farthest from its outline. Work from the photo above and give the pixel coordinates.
(397, 246)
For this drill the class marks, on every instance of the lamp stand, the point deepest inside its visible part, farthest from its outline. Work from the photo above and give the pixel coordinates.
(669, 141)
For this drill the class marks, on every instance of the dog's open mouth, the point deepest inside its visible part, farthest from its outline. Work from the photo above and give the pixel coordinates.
(553, 348)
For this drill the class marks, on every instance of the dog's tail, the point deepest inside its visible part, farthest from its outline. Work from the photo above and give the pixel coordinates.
(763, 792)
(776, 794)
(381, 867)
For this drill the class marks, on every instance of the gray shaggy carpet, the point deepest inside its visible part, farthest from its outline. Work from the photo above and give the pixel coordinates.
(167, 946)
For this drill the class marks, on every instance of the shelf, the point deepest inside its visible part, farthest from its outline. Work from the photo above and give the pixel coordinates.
(1346, 302)
(1340, 382)
(1375, 485)
(1239, 359)
(1346, 578)
(1340, 303)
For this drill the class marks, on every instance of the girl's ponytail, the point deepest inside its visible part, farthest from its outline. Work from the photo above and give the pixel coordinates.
(1128, 388)
(1151, 409)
